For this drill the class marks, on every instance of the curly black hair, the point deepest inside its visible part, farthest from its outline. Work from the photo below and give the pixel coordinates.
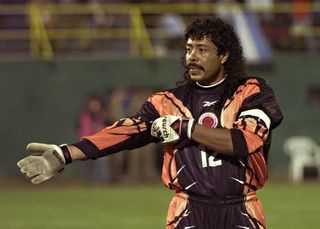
(225, 39)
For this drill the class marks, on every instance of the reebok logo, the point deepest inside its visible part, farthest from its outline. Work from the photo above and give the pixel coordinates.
(208, 103)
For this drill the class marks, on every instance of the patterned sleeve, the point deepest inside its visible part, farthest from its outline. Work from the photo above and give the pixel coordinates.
(126, 134)
(258, 115)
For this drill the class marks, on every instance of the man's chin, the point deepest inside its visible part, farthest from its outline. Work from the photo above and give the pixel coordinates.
(196, 78)
(199, 80)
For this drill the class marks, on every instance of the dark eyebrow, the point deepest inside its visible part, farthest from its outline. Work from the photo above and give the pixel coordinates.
(203, 45)
(198, 45)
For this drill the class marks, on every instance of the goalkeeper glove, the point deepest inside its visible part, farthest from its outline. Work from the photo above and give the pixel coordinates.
(172, 128)
(45, 162)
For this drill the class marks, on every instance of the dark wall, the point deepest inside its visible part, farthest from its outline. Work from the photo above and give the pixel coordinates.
(40, 100)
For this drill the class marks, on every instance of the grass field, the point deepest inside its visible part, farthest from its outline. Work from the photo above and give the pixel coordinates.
(143, 207)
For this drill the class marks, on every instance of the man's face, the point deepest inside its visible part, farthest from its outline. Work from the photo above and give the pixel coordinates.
(204, 64)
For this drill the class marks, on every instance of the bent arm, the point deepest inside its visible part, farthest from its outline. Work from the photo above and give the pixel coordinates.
(259, 114)
(218, 139)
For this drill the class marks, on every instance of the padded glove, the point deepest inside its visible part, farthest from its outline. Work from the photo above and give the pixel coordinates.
(46, 161)
(172, 128)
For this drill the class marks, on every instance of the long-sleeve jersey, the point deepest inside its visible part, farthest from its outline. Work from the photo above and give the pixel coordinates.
(250, 114)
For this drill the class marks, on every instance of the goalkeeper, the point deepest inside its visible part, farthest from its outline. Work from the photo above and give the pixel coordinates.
(216, 126)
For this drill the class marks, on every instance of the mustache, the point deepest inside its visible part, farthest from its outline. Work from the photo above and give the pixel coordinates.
(193, 65)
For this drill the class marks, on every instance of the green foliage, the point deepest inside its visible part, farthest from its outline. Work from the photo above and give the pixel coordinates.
(122, 207)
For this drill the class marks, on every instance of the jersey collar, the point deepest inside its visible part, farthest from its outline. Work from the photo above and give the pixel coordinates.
(210, 86)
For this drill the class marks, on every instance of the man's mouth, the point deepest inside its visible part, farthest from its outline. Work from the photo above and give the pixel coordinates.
(195, 67)
(194, 70)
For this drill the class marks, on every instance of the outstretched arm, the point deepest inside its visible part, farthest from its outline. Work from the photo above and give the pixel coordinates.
(46, 160)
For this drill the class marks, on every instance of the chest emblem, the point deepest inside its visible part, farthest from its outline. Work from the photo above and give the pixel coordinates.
(209, 119)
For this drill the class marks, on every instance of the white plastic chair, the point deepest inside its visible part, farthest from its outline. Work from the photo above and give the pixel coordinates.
(303, 152)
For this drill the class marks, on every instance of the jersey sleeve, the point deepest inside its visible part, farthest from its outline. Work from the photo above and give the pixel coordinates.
(258, 115)
(126, 134)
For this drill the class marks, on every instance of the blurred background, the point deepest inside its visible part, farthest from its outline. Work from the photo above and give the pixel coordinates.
(70, 67)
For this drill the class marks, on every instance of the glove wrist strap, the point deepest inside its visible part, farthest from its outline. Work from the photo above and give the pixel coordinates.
(191, 125)
(66, 153)
(186, 128)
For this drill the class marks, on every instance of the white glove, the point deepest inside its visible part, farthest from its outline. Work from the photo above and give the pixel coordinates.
(45, 162)
(172, 128)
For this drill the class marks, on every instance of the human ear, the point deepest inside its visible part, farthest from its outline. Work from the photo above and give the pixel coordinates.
(224, 57)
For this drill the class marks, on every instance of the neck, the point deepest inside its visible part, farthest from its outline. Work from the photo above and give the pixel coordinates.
(211, 85)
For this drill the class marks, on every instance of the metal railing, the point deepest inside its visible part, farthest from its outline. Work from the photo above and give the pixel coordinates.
(136, 30)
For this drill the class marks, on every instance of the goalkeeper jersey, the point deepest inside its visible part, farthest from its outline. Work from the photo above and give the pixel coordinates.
(251, 114)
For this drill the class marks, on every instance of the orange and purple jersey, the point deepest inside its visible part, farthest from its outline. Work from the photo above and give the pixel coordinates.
(192, 169)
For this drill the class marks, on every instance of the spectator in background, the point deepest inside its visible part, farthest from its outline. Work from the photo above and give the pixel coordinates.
(91, 119)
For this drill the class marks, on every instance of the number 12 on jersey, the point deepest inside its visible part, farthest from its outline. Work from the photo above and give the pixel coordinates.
(208, 160)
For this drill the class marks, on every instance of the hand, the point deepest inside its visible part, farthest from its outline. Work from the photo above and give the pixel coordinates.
(172, 128)
(45, 162)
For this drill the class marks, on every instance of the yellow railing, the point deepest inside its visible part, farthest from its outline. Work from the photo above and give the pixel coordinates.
(40, 45)
(136, 32)
(140, 40)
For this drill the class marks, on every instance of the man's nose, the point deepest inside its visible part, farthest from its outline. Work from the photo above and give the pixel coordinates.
(193, 56)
